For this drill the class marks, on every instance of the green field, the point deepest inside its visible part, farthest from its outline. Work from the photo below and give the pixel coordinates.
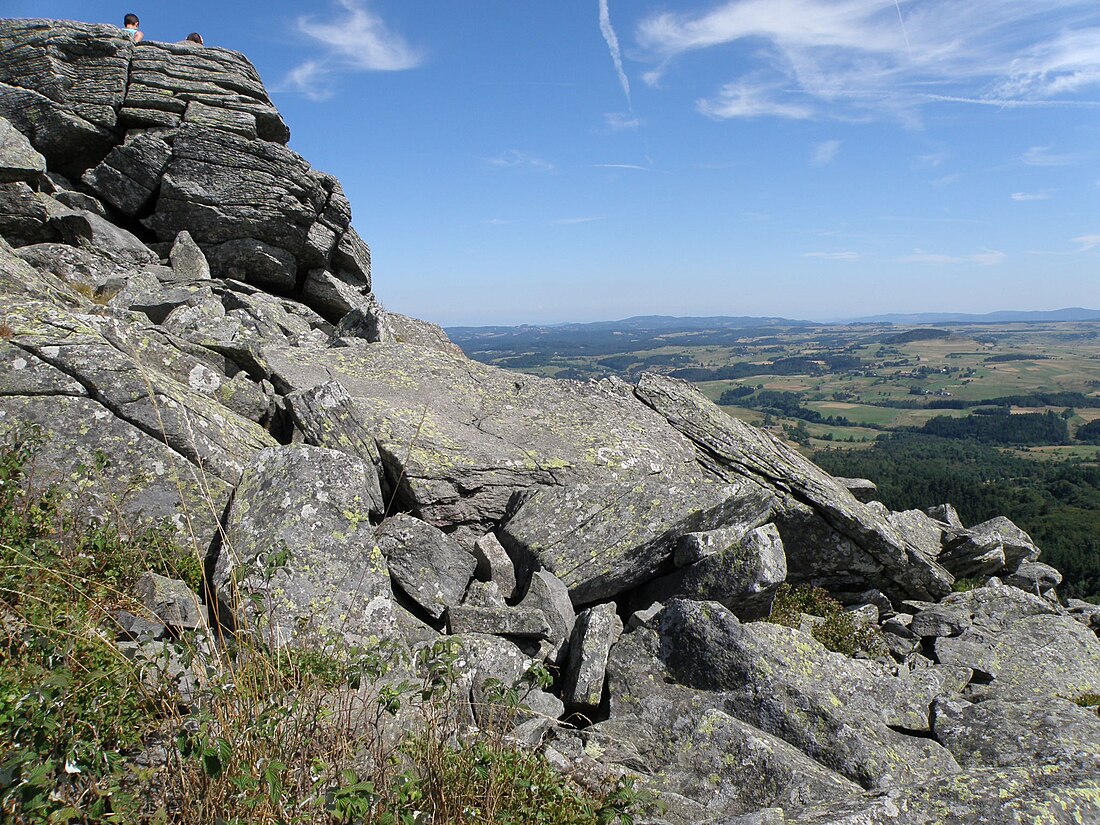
(852, 382)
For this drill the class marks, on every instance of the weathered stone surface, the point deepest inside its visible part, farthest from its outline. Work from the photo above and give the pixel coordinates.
(999, 733)
(429, 566)
(941, 620)
(991, 548)
(76, 265)
(138, 376)
(61, 85)
(298, 536)
(1052, 795)
(521, 622)
(920, 530)
(188, 261)
(733, 449)
(459, 438)
(171, 601)
(947, 515)
(129, 176)
(547, 594)
(254, 262)
(1034, 577)
(81, 228)
(785, 683)
(494, 565)
(25, 215)
(331, 295)
(863, 489)
(743, 576)
(18, 159)
(604, 539)
(596, 630)
(210, 87)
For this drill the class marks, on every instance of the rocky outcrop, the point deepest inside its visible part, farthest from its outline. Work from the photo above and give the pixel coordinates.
(189, 328)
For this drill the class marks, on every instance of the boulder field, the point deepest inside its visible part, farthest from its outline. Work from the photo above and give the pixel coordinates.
(185, 295)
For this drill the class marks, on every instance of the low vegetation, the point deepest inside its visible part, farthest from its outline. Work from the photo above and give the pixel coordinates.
(838, 630)
(97, 730)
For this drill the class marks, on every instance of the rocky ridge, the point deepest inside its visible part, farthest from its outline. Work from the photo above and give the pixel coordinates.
(186, 295)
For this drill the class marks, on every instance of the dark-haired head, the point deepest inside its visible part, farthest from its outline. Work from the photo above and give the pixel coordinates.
(195, 37)
(131, 20)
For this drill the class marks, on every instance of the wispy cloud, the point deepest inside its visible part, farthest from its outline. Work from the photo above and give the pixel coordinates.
(1042, 156)
(572, 221)
(1023, 197)
(825, 153)
(833, 256)
(612, 40)
(859, 58)
(515, 159)
(354, 39)
(750, 98)
(620, 166)
(621, 120)
(1087, 242)
(987, 257)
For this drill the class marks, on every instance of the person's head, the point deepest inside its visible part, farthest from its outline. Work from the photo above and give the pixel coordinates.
(195, 37)
(131, 21)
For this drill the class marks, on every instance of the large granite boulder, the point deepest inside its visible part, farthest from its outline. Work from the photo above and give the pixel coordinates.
(299, 563)
(604, 539)
(826, 531)
(459, 438)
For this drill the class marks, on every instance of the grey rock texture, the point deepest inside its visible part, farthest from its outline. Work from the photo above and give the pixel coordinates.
(863, 539)
(188, 326)
(298, 535)
(604, 539)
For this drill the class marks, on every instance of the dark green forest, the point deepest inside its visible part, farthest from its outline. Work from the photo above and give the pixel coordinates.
(1058, 504)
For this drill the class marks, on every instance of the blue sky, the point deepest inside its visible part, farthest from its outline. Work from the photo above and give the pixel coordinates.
(511, 161)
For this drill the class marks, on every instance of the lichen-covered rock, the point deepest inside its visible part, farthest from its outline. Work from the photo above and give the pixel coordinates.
(991, 548)
(604, 539)
(1005, 733)
(458, 438)
(62, 85)
(742, 576)
(865, 545)
(300, 563)
(596, 630)
(844, 713)
(18, 159)
(171, 601)
(428, 566)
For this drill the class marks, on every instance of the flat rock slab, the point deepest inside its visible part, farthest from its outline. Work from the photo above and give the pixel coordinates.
(1004, 733)
(604, 539)
(459, 438)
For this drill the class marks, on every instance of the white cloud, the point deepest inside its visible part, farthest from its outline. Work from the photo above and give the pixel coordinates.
(310, 79)
(621, 120)
(1022, 197)
(860, 58)
(987, 257)
(515, 159)
(571, 221)
(825, 153)
(833, 256)
(354, 40)
(1042, 156)
(620, 166)
(751, 99)
(1087, 242)
(612, 40)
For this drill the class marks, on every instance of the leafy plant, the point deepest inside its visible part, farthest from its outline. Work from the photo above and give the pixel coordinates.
(839, 632)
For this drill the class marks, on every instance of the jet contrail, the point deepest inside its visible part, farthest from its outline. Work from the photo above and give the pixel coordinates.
(904, 33)
(613, 46)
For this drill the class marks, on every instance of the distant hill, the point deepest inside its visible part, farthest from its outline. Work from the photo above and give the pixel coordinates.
(1002, 317)
(916, 335)
(646, 323)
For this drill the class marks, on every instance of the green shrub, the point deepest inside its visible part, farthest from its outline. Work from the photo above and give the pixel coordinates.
(839, 632)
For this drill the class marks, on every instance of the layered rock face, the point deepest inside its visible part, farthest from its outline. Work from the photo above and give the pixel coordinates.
(188, 318)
